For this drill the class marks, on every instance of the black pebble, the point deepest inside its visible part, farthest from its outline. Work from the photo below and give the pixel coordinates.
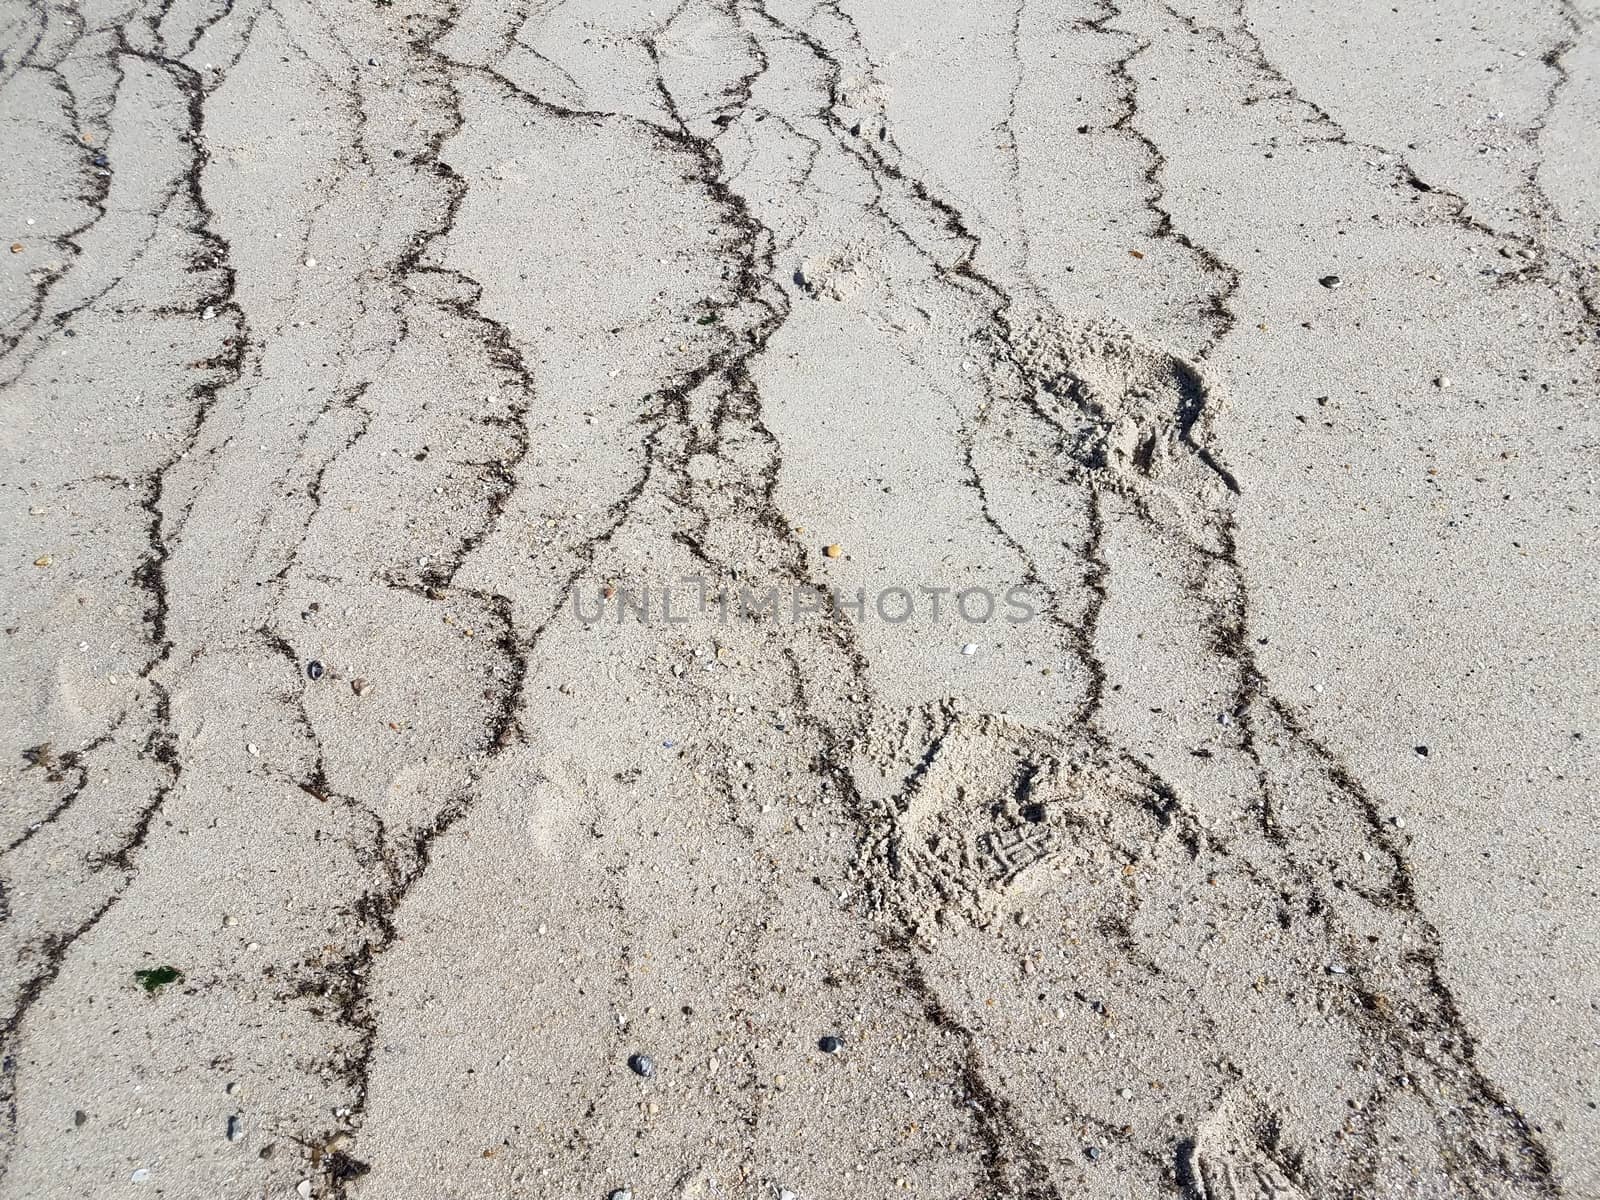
(314, 669)
(829, 1044)
(1330, 281)
(100, 160)
(642, 1065)
(1422, 750)
(1092, 1153)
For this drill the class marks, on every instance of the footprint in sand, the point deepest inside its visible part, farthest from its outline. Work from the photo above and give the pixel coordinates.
(1136, 413)
(1227, 1161)
(992, 807)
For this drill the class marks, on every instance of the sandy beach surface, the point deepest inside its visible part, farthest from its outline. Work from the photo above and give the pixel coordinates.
(771, 599)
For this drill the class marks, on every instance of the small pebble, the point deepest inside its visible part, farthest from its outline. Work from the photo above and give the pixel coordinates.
(1331, 282)
(829, 1044)
(622, 1194)
(236, 1128)
(1126, 1093)
(358, 686)
(970, 648)
(642, 1065)
(833, 551)
(1442, 382)
(314, 670)
(80, 1119)
(1092, 1153)
(1422, 751)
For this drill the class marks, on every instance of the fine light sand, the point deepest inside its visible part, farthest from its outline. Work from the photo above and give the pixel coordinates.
(429, 435)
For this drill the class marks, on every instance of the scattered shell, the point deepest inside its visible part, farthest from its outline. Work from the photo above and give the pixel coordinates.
(970, 648)
(140, 1176)
(833, 551)
(313, 670)
(44, 560)
(358, 685)
(16, 247)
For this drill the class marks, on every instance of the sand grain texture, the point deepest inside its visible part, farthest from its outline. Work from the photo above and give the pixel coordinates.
(395, 336)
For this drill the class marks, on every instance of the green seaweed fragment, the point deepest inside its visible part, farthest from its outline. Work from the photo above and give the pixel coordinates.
(154, 979)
